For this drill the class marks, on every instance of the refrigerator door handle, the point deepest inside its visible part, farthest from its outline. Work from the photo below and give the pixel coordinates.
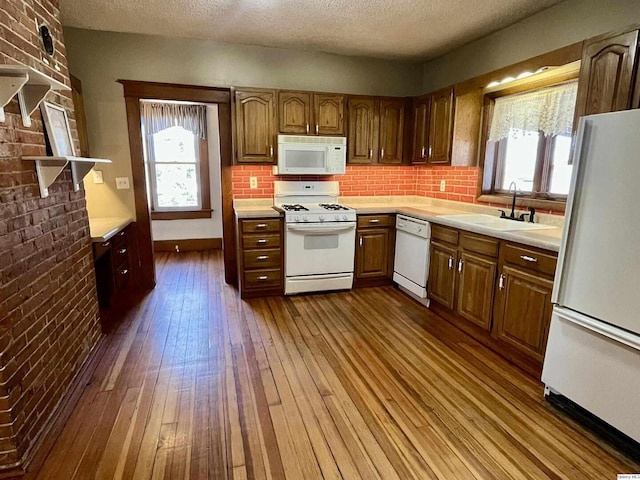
(614, 333)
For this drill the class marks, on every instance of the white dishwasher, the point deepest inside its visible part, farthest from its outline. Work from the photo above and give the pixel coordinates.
(411, 264)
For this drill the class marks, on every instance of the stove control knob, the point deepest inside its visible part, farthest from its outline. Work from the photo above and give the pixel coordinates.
(321, 218)
(295, 218)
(337, 218)
(305, 218)
(344, 218)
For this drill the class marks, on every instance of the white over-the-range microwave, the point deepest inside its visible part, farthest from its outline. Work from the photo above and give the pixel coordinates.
(306, 155)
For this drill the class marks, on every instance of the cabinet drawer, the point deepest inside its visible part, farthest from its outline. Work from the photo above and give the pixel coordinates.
(262, 258)
(262, 279)
(376, 221)
(120, 238)
(530, 259)
(122, 277)
(100, 249)
(444, 234)
(259, 226)
(120, 254)
(478, 244)
(260, 241)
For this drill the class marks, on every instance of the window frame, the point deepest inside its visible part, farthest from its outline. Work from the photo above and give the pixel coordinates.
(181, 213)
(489, 155)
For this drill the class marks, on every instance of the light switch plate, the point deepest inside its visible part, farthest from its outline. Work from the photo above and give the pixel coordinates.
(253, 182)
(97, 176)
(443, 185)
(122, 183)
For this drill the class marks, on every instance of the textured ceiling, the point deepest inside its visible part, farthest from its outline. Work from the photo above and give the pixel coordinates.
(400, 29)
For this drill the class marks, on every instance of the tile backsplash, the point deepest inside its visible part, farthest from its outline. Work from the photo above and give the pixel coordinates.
(461, 183)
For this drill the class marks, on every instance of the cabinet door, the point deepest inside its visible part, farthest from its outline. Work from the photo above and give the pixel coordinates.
(441, 127)
(420, 144)
(362, 143)
(372, 253)
(441, 283)
(391, 130)
(255, 126)
(328, 111)
(475, 288)
(606, 74)
(523, 311)
(294, 112)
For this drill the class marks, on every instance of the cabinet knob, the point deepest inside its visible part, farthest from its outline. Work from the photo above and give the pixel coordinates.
(122, 251)
(124, 272)
(106, 244)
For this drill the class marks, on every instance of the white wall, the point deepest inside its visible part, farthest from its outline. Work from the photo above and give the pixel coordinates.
(200, 227)
(568, 22)
(98, 59)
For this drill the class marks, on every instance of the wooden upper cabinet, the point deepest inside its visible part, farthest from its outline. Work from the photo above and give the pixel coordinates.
(255, 126)
(607, 74)
(441, 127)
(328, 114)
(391, 130)
(294, 112)
(362, 144)
(421, 109)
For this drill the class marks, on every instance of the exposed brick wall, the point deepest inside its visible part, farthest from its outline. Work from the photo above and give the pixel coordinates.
(461, 183)
(48, 307)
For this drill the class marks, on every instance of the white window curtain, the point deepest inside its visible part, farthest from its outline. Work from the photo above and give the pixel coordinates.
(549, 110)
(162, 115)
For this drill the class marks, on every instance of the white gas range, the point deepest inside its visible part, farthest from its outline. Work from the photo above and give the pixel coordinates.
(320, 236)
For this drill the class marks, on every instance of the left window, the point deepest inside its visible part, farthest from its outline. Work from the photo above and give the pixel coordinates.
(176, 160)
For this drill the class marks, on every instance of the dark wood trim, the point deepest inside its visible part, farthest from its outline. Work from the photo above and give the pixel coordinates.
(561, 56)
(181, 214)
(188, 245)
(134, 91)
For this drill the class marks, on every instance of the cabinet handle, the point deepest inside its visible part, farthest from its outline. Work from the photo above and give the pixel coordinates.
(527, 258)
(124, 272)
(429, 150)
(106, 244)
(261, 225)
(263, 277)
(501, 282)
(262, 240)
(307, 129)
(262, 257)
(382, 154)
(422, 152)
(374, 220)
(450, 263)
(361, 240)
(371, 153)
(122, 251)
(122, 233)
(460, 264)
(271, 150)
(317, 129)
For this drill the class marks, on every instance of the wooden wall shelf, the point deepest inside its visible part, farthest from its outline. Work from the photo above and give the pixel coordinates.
(29, 84)
(49, 168)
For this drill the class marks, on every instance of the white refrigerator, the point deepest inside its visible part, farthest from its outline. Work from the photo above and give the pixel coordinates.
(593, 351)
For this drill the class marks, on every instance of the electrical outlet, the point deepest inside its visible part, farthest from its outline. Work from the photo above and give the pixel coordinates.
(97, 176)
(122, 183)
(253, 182)
(443, 185)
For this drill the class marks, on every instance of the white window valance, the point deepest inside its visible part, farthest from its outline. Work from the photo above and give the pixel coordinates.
(162, 115)
(549, 110)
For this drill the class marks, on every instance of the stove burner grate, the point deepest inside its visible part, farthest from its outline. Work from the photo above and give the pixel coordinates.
(333, 206)
(295, 208)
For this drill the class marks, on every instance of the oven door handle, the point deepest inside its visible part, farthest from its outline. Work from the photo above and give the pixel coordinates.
(318, 230)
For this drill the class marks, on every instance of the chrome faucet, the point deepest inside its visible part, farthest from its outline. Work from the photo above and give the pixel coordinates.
(512, 215)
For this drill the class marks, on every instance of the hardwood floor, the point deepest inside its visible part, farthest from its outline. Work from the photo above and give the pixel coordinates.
(198, 384)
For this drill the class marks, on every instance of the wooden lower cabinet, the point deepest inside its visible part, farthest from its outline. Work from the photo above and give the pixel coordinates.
(260, 257)
(475, 288)
(496, 291)
(375, 248)
(523, 311)
(441, 282)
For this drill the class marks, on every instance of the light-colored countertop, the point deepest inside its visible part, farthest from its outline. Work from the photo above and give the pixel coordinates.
(428, 209)
(103, 228)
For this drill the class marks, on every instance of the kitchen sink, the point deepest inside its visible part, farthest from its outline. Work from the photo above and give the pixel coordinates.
(495, 223)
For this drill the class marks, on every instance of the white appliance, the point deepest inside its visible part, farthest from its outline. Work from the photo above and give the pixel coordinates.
(411, 263)
(311, 155)
(320, 236)
(593, 351)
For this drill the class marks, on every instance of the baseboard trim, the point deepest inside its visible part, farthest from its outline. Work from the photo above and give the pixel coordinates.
(188, 245)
